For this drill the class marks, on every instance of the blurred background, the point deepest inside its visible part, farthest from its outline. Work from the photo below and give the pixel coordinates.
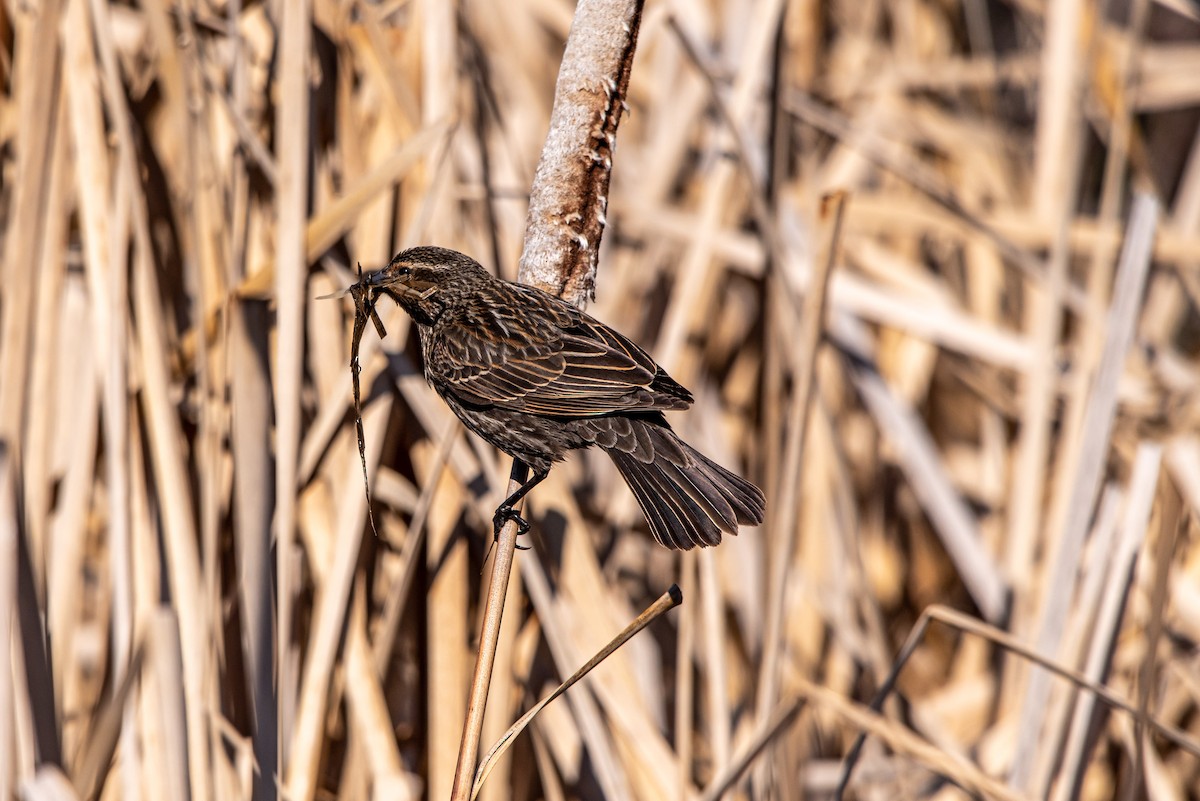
(1005, 419)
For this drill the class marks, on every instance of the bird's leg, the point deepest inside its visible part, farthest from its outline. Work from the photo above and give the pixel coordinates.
(505, 511)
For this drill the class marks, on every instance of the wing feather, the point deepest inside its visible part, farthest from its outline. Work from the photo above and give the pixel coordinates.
(543, 356)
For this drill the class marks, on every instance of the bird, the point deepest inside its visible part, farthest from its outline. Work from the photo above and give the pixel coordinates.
(537, 378)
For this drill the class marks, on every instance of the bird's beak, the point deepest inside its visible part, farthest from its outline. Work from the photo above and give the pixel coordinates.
(406, 287)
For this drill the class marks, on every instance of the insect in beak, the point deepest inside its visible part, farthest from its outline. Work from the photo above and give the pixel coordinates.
(366, 293)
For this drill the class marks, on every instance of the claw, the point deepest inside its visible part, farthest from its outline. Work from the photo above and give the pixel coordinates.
(504, 514)
(505, 511)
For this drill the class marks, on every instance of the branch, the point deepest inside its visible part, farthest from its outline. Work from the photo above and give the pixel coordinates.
(566, 219)
(569, 198)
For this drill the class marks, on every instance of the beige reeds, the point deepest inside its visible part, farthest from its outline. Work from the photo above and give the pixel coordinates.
(1002, 433)
(1132, 272)
(291, 203)
(9, 531)
(975, 627)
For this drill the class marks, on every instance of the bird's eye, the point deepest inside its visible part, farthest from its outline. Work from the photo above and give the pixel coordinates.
(404, 272)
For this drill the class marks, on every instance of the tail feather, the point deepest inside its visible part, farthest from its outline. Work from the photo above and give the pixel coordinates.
(687, 498)
(701, 489)
(675, 519)
(747, 500)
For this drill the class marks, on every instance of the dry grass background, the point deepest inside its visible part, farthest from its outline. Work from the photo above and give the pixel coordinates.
(1005, 419)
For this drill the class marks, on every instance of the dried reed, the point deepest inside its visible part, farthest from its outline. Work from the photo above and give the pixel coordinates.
(1003, 416)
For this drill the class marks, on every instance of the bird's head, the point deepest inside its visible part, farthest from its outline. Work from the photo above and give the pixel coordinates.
(425, 280)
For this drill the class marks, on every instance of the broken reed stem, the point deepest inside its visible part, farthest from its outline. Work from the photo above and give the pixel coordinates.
(670, 599)
(567, 206)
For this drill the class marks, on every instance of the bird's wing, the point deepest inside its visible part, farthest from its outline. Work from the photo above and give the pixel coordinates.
(542, 356)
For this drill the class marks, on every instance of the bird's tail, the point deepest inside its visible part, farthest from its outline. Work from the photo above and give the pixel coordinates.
(687, 498)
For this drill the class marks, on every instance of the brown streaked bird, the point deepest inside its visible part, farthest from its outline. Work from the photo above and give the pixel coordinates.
(536, 377)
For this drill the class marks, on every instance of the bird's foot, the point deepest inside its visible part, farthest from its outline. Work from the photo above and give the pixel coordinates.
(505, 513)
